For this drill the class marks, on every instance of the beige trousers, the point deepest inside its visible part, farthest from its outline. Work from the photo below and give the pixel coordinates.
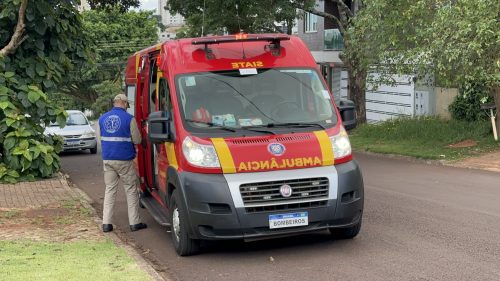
(124, 170)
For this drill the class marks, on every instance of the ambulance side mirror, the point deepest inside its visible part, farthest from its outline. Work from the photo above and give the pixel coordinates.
(347, 110)
(159, 127)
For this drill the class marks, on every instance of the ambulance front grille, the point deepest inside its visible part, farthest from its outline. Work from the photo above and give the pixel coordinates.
(267, 194)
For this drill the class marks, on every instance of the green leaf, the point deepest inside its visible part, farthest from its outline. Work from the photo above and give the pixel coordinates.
(48, 83)
(36, 151)
(13, 173)
(61, 120)
(48, 159)
(41, 28)
(10, 179)
(24, 144)
(9, 143)
(33, 96)
(4, 90)
(43, 148)
(17, 151)
(9, 121)
(4, 105)
(39, 44)
(9, 74)
(40, 69)
(27, 155)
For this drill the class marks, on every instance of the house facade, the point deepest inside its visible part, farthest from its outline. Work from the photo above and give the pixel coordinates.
(407, 97)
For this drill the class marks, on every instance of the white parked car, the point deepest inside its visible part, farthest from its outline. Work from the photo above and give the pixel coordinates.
(77, 134)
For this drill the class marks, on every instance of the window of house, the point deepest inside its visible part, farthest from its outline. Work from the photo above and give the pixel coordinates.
(310, 22)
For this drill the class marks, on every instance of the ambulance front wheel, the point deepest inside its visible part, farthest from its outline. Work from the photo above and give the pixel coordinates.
(346, 233)
(184, 245)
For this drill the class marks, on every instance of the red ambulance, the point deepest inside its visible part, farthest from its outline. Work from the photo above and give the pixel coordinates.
(243, 140)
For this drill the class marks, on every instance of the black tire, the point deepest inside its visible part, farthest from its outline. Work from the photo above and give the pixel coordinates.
(93, 150)
(346, 233)
(183, 244)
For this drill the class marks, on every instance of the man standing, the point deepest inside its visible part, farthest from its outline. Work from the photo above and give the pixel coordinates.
(118, 133)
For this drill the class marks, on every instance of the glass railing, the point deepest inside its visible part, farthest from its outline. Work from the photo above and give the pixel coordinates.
(333, 40)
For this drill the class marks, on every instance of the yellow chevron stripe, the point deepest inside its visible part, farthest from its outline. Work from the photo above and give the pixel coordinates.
(137, 58)
(326, 147)
(225, 157)
(172, 158)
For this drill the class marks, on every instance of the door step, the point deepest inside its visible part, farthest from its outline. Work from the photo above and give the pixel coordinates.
(156, 210)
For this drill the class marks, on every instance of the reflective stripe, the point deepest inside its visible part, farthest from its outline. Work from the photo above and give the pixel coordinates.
(326, 147)
(225, 157)
(172, 158)
(116, 139)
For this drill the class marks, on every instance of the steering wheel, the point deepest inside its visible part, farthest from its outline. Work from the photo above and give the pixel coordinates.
(294, 106)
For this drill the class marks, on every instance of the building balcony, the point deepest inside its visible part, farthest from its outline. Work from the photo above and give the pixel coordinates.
(333, 40)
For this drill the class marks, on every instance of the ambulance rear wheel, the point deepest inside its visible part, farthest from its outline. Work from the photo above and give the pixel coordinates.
(346, 233)
(183, 244)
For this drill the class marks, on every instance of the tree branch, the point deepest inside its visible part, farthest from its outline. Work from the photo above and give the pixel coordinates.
(277, 28)
(340, 24)
(18, 37)
(342, 6)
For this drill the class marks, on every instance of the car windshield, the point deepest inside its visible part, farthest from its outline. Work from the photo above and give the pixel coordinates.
(74, 119)
(250, 98)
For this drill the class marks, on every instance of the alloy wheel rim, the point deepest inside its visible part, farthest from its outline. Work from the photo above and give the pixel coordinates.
(176, 223)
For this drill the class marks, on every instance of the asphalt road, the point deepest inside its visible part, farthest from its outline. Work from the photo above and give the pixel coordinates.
(421, 222)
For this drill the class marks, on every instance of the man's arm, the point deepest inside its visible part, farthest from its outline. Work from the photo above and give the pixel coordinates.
(134, 131)
(98, 131)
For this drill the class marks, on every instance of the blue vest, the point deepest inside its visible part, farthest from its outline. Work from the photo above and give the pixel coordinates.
(116, 139)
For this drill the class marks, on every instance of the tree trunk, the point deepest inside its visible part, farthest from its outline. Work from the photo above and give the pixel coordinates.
(357, 85)
(496, 96)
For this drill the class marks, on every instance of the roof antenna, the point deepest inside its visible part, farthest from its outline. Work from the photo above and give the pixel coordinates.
(238, 17)
(203, 21)
(239, 27)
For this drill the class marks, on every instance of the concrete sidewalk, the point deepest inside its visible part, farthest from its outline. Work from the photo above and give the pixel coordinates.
(41, 200)
(489, 162)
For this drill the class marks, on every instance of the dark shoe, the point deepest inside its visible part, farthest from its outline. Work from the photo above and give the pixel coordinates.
(107, 227)
(138, 226)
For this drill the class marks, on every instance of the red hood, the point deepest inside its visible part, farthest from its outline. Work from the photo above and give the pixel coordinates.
(304, 150)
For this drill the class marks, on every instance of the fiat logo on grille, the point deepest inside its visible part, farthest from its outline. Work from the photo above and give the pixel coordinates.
(276, 149)
(286, 190)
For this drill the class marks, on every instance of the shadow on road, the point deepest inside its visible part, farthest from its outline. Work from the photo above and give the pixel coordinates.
(322, 239)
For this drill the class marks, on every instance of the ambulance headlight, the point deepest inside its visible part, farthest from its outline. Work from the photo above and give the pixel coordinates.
(341, 144)
(199, 154)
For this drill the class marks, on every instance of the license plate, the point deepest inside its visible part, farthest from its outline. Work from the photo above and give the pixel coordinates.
(288, 220)
(73, 143)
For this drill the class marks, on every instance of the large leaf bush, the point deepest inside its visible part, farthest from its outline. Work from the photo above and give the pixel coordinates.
(54, 45)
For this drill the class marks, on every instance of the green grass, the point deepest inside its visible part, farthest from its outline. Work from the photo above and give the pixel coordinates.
(82, 260)
(426, 138)
(9, 214)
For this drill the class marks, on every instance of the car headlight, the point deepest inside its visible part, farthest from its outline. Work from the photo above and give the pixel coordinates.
(200, 154)
(88, 134)
(341, 144)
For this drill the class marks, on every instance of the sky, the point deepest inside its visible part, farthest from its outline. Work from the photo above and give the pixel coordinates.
(149, 4)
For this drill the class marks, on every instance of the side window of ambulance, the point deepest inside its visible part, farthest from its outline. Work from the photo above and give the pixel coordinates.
(131, 99)
(164, 96)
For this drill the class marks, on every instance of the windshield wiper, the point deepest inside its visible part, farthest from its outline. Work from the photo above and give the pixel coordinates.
(293, 125)
(210, 124)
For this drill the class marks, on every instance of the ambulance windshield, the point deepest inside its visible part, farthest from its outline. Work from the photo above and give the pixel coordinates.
(254, 98)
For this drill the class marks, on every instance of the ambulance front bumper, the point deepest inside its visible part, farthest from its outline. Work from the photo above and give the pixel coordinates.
(217, 210)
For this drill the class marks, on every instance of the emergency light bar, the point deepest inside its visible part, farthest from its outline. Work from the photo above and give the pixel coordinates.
(275, 38)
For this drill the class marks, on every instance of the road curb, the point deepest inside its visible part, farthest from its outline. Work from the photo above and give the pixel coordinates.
(403, 157)
(131, 251)
(444, 163)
